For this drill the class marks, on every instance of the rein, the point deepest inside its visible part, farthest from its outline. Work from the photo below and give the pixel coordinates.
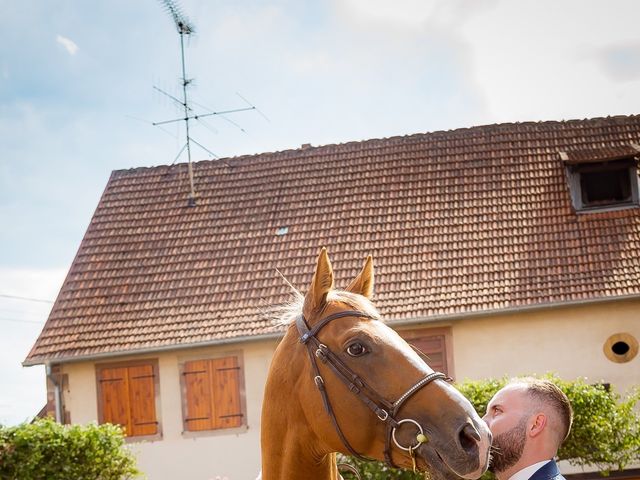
(385, 410)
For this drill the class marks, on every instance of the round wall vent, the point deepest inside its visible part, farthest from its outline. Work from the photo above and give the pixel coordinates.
(621, 347)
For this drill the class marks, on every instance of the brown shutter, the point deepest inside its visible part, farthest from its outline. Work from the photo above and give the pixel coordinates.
(142, 400)
(197, 380)
(433, 346)
(114, 397)
(226, 392)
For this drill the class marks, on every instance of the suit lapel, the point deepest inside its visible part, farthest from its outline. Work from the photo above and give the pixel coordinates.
(546, 472)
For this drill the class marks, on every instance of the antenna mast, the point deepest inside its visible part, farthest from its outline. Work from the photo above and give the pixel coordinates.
(185, 27)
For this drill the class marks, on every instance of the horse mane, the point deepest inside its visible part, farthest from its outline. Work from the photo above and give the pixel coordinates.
(287, 312)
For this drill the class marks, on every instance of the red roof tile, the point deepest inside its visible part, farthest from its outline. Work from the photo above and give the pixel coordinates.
(459, 221)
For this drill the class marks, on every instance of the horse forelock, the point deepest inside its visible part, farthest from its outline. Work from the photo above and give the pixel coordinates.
(288, 312)
(355, 301)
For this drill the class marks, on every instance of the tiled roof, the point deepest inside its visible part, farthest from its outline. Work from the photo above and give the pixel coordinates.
(600, 154)
(458, 221)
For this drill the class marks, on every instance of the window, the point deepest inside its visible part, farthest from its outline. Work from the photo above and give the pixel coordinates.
(213, 394)
(436, 344)
(602, 179)
(605, 186)
(127, 395)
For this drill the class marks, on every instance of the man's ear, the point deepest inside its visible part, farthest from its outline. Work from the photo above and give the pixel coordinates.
(321, 284)
(363, 283)
(538, 425)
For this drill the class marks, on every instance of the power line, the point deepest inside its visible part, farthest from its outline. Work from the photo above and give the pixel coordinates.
(40, 322)
(21, 312)
(26, 299)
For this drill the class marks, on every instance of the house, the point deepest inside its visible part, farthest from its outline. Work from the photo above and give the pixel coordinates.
(500, 249)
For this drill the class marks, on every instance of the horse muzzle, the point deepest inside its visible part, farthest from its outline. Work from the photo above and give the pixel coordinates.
(466, 456)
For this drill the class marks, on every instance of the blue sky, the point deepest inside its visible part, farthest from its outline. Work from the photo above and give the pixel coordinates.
(77, 101)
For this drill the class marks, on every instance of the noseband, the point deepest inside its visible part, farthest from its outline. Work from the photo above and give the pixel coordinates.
(385, 410)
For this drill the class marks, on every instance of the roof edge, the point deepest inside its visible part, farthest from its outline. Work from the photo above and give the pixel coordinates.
(508, 311)
(275, 336)
(235, 160)
(142, 351)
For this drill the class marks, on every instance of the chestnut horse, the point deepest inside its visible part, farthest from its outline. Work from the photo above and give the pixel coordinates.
(343, 381)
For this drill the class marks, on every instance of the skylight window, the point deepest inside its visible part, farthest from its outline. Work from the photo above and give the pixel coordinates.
(603, 179)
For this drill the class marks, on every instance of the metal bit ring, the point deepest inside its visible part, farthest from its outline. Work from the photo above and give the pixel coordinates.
(411, 447)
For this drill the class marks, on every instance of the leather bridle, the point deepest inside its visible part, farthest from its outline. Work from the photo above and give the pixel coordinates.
(385, 410)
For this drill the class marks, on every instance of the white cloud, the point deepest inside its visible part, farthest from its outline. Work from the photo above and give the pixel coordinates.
(25, 282)
(409, 17)
(68, 44)
(402, 14)
(546, 60)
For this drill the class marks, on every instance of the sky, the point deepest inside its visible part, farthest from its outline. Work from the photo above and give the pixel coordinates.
(79, 93)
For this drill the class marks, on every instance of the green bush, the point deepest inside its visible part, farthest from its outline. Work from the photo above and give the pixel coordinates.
(46, 450)
(605, 434)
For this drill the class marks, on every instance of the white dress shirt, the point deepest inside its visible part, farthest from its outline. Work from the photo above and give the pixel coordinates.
(527, 472)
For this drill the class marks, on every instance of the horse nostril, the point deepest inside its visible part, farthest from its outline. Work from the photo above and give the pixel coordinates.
(469, 437)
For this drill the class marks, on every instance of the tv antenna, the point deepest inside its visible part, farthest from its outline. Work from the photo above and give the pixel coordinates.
(186, 28)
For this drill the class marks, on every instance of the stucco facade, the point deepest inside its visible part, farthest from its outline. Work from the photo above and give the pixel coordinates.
(567, 340)
(234, 453)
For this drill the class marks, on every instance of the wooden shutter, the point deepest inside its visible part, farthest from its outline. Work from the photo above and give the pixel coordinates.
(212, 394)
(198, 395)
(142, 400)
(127, 398)
(114, 396)
(226, 393)
(435, 344)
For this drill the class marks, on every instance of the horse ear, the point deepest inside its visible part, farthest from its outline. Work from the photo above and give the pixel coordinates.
(322, 282)
(363, 283)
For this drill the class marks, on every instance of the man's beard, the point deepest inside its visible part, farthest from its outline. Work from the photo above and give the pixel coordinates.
(507, 447)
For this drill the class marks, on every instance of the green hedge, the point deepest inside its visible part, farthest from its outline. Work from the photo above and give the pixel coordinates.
(46, 450)
(605, 434)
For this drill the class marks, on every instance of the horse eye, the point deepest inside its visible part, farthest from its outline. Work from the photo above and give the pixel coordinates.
(356, 349)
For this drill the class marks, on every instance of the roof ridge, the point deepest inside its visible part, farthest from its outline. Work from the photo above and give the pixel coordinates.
(230, 162)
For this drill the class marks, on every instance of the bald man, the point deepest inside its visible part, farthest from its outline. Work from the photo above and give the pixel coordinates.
(529, 419)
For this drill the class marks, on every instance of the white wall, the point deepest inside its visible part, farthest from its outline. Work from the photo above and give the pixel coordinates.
(568, 341)
(234, 455)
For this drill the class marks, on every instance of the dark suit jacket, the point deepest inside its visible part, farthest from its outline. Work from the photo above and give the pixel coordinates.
(549, 471)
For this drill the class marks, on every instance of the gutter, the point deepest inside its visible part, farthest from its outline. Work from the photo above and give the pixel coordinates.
(398, 322)
(142, 351)
(57, 392)
(506, 311)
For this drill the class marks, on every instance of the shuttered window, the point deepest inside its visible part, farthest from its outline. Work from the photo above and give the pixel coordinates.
(127, 396)
(435, 344)
(212, 394)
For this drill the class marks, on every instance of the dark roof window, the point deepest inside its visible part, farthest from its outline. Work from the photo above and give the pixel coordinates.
(603, 179)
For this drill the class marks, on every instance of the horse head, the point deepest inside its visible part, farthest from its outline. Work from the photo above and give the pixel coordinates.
(351, 384)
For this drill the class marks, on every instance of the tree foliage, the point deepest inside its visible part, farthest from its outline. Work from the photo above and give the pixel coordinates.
(47, 450)
(605, 434)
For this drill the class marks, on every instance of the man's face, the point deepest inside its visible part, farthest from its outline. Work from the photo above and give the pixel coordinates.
(507, 415)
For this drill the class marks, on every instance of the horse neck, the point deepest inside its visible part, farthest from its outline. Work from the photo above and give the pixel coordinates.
(290, 450)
